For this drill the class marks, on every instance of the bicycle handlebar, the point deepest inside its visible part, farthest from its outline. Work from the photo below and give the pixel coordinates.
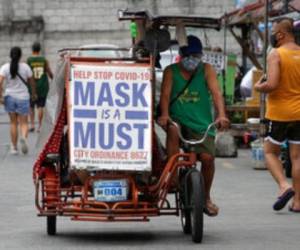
(193, 141)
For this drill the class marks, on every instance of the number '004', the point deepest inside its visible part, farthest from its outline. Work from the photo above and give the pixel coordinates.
(114, 191)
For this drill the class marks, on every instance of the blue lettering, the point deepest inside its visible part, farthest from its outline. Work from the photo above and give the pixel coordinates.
(124, 136)
(140, 128)
(86, 139)
(105, 95)
(122, 94)
(110, 136)
(105, 114)
(84, 97)
(138, 94)
(117, 115)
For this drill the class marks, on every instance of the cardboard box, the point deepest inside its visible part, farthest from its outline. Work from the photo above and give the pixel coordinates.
(255, 99)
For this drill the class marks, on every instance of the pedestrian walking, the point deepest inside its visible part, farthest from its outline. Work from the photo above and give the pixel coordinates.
(41, 71)
(16, 97)
(283, 110)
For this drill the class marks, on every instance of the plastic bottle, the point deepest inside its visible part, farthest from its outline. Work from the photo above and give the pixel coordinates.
(133, 29)
(257, 151)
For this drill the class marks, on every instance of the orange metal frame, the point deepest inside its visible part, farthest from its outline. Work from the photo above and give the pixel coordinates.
(77, 201)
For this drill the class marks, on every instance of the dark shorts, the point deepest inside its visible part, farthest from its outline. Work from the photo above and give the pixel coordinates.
(279, 132)
(208, 146)
(40, 102)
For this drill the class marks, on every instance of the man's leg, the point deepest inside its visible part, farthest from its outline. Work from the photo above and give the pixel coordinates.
(295, 158)
(208, 172)
(172, 148)
(41, 102)
(14, 129)
(40, 117)
(172, 141)
(32, 115)
(272, 152)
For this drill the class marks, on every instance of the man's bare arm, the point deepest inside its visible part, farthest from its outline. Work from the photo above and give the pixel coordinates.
(273, 75)
(213, 85)
(165, 92)
(48, 70)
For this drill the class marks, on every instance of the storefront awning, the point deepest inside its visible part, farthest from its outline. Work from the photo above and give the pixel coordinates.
(172, 20)
(254, 13)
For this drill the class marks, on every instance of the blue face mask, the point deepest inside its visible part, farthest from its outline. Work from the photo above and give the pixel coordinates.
(190, 63)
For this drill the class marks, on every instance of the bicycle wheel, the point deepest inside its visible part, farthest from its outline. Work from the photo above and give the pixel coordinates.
(185, 216)
(197, 206)
(51, 225)
(185, 212)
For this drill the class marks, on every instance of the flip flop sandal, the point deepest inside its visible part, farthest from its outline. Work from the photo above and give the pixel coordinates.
(207, 210)
(291, 209)
(283, 199)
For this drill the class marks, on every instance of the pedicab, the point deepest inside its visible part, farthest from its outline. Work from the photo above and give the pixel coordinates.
(101, 159)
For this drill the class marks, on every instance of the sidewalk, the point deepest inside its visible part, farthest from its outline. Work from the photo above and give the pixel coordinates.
(4, 136)
(3, 115)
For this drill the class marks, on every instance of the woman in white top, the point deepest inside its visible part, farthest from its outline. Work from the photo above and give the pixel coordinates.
(16, 97)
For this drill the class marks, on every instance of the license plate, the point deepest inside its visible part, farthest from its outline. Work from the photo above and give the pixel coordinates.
(111, 190)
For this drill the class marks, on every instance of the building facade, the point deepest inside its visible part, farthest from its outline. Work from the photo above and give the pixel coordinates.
(60, 24)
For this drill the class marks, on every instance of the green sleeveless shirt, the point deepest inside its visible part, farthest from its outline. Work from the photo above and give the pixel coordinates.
(193, 108)
(38, 66)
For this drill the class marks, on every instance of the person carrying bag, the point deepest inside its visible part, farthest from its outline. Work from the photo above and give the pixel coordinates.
(16, 98)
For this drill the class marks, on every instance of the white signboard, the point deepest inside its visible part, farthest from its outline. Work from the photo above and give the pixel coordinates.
(110, 117)
(216, 59)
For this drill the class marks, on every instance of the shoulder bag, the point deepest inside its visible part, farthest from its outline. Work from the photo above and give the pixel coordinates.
(158, 110)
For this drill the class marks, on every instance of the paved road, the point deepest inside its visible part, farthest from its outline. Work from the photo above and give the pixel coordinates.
(244, 195)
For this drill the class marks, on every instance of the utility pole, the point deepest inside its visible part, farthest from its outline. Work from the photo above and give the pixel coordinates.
(266, 44)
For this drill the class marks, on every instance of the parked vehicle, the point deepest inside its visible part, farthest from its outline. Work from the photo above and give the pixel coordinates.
(102, 159)
(101, 51)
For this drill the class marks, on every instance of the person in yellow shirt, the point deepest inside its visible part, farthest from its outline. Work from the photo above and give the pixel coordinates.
(283, 110)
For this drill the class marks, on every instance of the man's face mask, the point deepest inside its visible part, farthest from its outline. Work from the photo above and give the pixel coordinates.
(274, 40)
(190, 63)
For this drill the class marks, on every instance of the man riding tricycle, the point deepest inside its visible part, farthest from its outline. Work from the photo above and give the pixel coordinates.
(103, 160)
